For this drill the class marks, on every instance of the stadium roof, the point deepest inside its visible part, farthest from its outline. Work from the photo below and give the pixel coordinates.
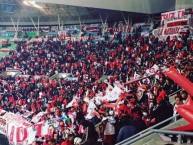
(138, 6)
(74, 11)
(14, 9)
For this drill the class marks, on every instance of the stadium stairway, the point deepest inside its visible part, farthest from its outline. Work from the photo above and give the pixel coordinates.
(156, 139)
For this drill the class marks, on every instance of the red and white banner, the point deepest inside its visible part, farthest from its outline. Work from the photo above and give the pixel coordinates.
(152, 70)
(37, 118)
(17, 119)
(163, 33)
(178, 14)
(12, 69)
(114, 94)
(20, 131)
(92, 27)
(121, 28)
(26, 135)
(14, 127)
(29, 29)
(175, 23)
(148, 73)
(2, 126)
(85, 38)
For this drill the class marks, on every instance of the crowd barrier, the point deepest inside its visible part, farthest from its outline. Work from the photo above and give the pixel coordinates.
(146, 132)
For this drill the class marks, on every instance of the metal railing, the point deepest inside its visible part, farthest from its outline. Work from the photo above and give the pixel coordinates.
(144, 133)
(175, 92)
(178, 133)
(147, 131)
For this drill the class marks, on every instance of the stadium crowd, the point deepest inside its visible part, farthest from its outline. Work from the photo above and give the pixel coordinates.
(89, 60)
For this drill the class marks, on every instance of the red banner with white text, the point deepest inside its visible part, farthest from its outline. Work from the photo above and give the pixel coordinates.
(20, 131)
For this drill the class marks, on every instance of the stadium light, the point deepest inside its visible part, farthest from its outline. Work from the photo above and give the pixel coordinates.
(32, 3)
(26, 3)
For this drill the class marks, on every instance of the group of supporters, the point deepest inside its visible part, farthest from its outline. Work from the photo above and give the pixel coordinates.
(84, 117)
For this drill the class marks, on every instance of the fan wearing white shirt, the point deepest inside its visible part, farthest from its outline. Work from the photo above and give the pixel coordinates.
(109, 132)
(178, 101)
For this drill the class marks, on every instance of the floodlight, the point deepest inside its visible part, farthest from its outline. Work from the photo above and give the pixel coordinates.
(26, 3)
(32, 4)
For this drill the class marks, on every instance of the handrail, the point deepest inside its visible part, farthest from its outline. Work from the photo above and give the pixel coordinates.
(152, 127)
(175, 92)
(136, 139)
(178, 133)
(173, 132)
(142, 133)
